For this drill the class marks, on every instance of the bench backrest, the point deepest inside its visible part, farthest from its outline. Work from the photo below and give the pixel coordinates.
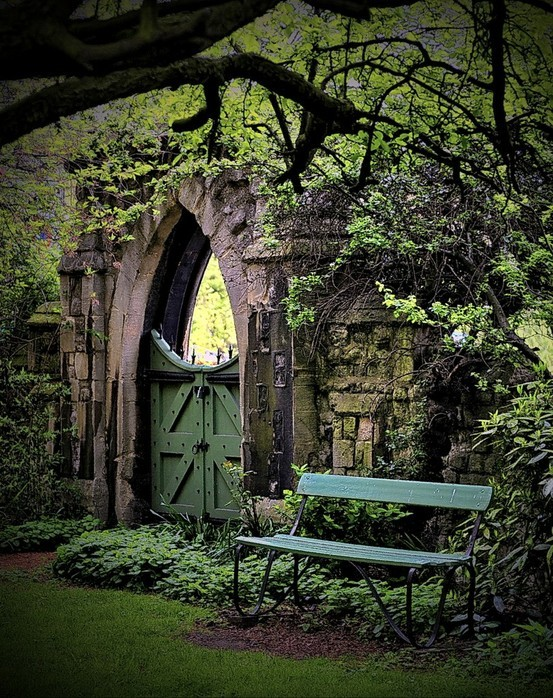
(431, 494)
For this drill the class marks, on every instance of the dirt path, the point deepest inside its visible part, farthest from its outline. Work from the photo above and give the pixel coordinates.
(25, 561)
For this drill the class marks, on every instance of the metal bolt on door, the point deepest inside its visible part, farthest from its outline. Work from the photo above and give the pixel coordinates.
(195, 433)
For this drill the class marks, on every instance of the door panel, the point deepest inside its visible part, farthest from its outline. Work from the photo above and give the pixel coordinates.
(195, 433)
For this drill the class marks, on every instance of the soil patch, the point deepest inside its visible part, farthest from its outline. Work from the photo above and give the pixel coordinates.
(294, 634)
(288, 634)
(26, 561)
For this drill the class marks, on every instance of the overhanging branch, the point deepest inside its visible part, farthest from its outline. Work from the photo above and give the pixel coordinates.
(77, 94)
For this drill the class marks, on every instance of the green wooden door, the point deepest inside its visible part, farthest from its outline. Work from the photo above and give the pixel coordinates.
(195, 433)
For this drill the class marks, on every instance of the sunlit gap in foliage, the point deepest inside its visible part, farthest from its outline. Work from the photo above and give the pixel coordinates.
(539, 336)
(212, 336)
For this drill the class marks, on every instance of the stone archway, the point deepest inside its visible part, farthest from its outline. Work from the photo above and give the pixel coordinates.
(107, 319)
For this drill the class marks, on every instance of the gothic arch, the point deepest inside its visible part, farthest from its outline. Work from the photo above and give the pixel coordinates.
(108, 317)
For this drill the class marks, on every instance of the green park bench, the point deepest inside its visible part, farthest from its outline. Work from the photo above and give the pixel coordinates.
(470, 498)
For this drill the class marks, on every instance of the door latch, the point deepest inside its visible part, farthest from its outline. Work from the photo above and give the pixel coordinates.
(200, 446)
(201, 391)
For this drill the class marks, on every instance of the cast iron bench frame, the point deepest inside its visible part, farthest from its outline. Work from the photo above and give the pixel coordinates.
(471, 498)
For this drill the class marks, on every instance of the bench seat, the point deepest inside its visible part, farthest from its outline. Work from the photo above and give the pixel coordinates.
(366, 554)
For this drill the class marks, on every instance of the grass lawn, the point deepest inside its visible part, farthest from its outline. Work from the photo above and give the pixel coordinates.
(64, 641)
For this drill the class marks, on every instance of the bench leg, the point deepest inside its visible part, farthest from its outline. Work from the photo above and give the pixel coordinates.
(470, 602)
(395, 627)
(293, 587)
(255, 611)
(408, 634)
(446, 586)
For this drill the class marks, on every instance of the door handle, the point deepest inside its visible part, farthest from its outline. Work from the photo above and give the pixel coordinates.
(200, 446)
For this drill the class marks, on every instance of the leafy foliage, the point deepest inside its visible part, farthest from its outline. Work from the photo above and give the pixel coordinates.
(516, 545)
(44, 534)
(30, 487)
(524, 434)
(28, 275)
(526, 649)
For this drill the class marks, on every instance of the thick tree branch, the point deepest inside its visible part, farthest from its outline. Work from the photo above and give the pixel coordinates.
(42, 40)
(497, 23)
(40, 44)
(78, 94)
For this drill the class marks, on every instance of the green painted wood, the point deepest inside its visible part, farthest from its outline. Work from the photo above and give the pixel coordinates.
(203, 408)
(409, 492)
(334, 550)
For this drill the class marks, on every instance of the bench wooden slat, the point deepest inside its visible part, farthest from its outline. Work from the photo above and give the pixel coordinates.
(431, 494)
(367, 554)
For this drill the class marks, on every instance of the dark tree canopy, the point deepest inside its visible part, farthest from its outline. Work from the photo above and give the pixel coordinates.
(432, 118)
(89, 53)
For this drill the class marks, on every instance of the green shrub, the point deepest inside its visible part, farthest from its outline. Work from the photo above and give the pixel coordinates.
(30, 484)
(526, 649)
(158, 558)
(130, 558)
(44, 534)
(516, 542)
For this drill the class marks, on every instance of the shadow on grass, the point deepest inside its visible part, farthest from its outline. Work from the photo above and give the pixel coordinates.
(64, 641)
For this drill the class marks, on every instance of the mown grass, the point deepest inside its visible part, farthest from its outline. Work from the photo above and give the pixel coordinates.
(63, 641)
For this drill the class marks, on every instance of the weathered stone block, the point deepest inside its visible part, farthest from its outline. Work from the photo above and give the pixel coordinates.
(99, 390)
(349, 428)
(81, 366)
(339, 471)
(100, 497)
(67, 335)
(368, 456)
(347, 403)
(403, 366)
(473, 479)
(359, 457)
(84, 394)
(343, 453)
(366, 429)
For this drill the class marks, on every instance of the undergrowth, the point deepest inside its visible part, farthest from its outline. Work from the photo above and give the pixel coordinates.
(159, 558)
(44, 534)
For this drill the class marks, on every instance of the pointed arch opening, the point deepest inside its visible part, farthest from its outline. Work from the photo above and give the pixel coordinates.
(210, 338)
(194, 382)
